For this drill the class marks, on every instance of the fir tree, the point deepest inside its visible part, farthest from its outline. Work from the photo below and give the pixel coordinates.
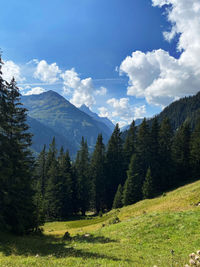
(19, 208)
(114, 166)
(117, 203)
(181, 154)
(195, 151)
(98, 174)
(143, 146)
(83, 178)
(133, 186)
(65, 179)
(129, 145)
(165, 161)
(148, 187)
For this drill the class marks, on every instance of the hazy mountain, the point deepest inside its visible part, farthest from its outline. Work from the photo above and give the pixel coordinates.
(64, 119)
(104, 120)
(43, 134)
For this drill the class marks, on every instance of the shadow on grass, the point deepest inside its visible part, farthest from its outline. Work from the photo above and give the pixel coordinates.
(49, 246)
(92, 239)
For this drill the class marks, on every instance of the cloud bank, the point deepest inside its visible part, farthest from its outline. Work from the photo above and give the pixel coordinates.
(159, 77)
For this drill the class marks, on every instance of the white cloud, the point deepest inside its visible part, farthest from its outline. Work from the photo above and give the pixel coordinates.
(102, 91)
(103, 112)
(47, 73)
(82, 90)
(35, 91)
(156, 75)
(10, 70)
(124, 111)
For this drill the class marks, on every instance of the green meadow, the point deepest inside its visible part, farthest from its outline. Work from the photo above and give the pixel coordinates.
(161, 232)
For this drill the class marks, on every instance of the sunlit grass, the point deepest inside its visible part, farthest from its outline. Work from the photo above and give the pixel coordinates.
(146, 235)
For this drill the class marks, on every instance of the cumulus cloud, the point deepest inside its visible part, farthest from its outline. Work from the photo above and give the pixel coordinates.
(35, 91)
(103, 112)
(82, 90)
(122, 111)
(102, 91)
(47, 72)
(10, 70)
(156, 75)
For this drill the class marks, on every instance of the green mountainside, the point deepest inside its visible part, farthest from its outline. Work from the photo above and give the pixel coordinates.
(64, 119)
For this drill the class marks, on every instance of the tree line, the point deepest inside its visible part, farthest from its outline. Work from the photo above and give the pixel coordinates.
(152, 159)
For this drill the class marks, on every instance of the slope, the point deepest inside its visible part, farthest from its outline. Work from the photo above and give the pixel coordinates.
(55, 112)
(103, 120)
(146, 236)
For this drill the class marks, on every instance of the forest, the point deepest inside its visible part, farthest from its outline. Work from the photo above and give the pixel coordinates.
(152, 159)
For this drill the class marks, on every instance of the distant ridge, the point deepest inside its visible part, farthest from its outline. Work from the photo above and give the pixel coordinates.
(64, 119)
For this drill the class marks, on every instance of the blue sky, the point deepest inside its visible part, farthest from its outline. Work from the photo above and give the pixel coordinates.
(111, 55)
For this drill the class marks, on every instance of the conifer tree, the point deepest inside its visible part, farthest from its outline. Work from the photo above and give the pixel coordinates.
(143, 146)
(98, 174)
(19, 208)
(52, 191)
(165, 161)
(129, 145)
(195, 151)
(133, 186)
(148, 186)
(181, 153)
(114, 165)
(83, 177)
(65, 180)
(154, 161)
(117, 203)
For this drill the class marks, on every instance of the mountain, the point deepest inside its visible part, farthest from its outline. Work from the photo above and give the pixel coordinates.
(65, 120)
(137, 122)
(104, 120)
(184, 109)
(43, 134)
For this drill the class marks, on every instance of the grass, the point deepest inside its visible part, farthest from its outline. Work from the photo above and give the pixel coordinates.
(146, 236)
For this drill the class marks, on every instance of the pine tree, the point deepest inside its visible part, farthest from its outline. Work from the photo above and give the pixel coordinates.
(129, 145)
(3, 146)
(83, 178)
(65, 180)
(19, 209)
(117, 203)
(52, 191)
(181, 154)
(115, 174)
(195, 151)
(165, 161)
(133, 186)
(98, 174)
(148, 186)
(143, 146)
(154, 161)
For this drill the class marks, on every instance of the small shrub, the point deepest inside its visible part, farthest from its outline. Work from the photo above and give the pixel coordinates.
(100, 213)
(114, 220)
(67, 236)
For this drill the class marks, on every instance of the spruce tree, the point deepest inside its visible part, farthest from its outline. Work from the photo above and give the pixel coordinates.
(133, 186)
(148, 186)
(195, 151)
(154, 161)
(118, 203)
(83, 178)
(98, 174)
(129, 145)
(65, 180)
(143, 149)
(115, 174)
(19, 209)
(181, 154)
(165, 161)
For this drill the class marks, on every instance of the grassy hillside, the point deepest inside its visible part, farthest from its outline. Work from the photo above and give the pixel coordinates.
(146, 235)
